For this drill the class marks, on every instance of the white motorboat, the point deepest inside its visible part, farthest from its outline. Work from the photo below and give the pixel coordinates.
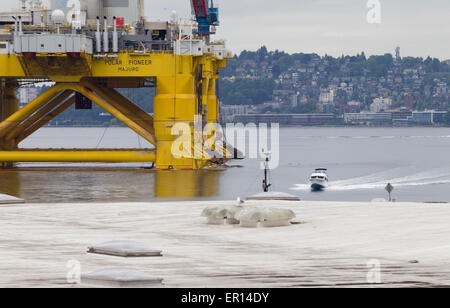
(319, 179)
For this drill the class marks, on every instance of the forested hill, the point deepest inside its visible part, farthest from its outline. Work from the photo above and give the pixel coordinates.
(252, 77)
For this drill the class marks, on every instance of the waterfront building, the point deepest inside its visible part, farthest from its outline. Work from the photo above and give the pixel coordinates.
(367, 118)
(228, 111)
(400, 114)
(287, 119)
(428, 117)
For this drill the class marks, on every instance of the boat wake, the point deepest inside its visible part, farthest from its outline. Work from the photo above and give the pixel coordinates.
(379, 180)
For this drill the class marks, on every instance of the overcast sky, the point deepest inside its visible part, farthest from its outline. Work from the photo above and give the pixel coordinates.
(334, 27)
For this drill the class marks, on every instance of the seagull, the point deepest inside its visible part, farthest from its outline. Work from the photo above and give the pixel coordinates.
(239, 200)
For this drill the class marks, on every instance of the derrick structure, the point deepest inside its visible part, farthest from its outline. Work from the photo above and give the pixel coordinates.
(87, 59)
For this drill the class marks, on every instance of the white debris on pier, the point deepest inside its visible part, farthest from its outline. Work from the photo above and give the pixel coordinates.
(218, 215)
(126, 249)
(248, 216)
(265, 216)
(6, 199)
(120, 277)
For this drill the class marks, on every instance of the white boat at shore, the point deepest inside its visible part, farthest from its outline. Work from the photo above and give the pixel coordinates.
(319, 179)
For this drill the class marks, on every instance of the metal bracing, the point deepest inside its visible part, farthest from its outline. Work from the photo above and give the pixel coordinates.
(45, 119)
(108, 106)
(126, 107)
(24, 122)
(129, 105)
(37, 116)
(23, 114)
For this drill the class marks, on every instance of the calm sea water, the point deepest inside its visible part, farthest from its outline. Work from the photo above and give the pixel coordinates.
(361, 161)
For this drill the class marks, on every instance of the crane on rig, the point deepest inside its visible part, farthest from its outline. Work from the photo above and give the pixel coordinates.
(207, 16)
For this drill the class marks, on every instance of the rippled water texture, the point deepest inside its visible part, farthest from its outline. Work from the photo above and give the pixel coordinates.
(361, 161)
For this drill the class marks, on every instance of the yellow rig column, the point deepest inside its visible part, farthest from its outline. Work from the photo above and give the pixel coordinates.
(175, 102)
(9, 105)
(212, 103)
(210, 100)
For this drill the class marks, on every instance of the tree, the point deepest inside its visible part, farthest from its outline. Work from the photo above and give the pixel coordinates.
(379, 65)
(246, 92)
(261, 54)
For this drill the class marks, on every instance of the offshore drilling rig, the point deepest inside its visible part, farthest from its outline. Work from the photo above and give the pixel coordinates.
(88, 49)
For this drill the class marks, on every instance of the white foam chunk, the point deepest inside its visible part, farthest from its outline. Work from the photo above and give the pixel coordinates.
(268, 217)
(273, 195)
(7, 199)
(125, 249)
(218, 214)
(120, 277)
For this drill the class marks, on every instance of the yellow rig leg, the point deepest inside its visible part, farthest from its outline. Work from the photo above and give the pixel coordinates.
(21, 115)
(38, 115)
(212, 103)
(9, 101)
(175, 102)
(9, 104)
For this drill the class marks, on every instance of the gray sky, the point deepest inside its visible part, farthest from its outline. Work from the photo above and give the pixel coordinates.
(334, 27)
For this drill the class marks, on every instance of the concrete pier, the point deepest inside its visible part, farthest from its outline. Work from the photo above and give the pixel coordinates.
(335, 244)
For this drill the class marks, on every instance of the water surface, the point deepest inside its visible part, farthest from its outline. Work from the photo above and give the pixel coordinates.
(361, 161)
